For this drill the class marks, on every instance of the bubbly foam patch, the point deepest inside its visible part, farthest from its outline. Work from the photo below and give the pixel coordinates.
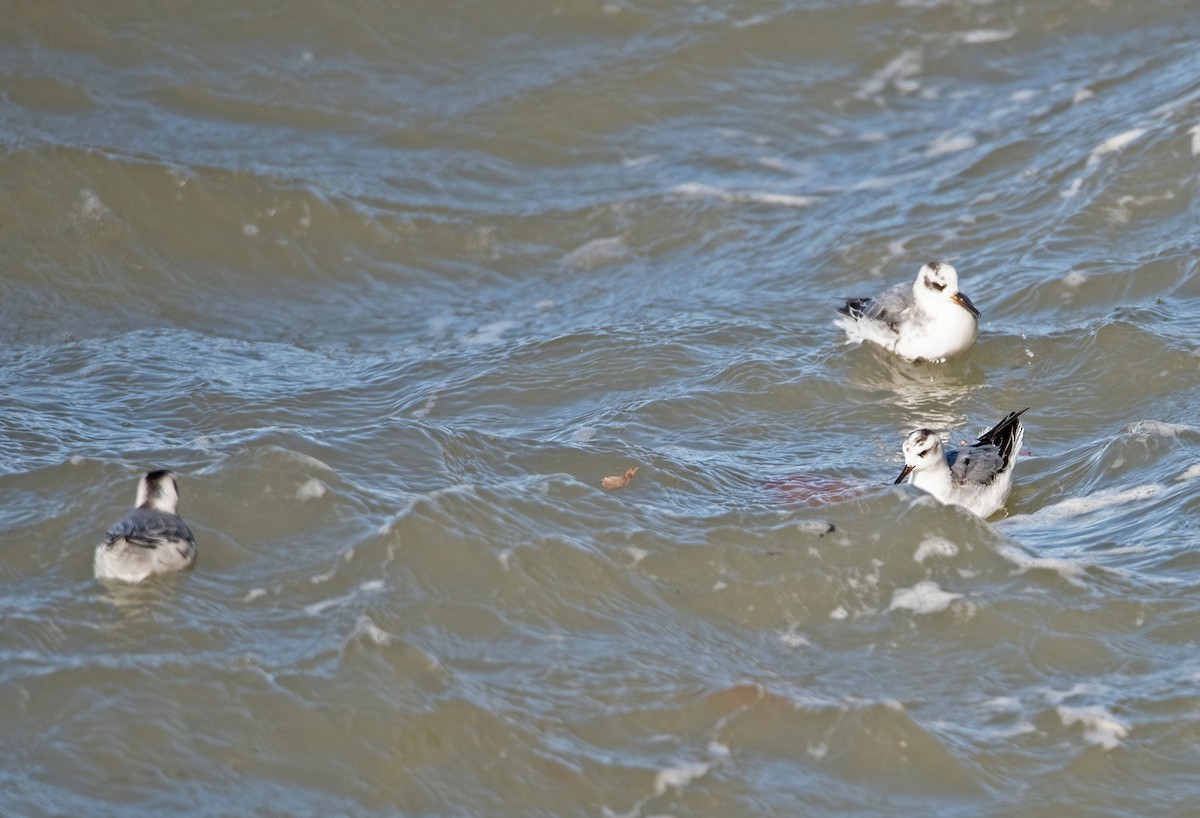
(935, 547)
(985, 35)
(950, 143)
(1146, 429)
(489, 333)
(364, 627)
(1190, 473)
(1105, 498)
(312, 489)
(598, 253)
(1114, 144)
(925, 597)
(695, 190)
(1068, 570)
(898, 73)
(1100, 727)
(793, 639)
(678, 777)
(636, 554)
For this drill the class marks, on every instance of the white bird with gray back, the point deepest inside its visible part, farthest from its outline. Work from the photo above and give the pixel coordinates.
(930, 320)
(151, 539)
(977, 477)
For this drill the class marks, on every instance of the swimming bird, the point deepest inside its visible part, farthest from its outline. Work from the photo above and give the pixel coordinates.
(929, 321)
(151, 539)
(977, 477)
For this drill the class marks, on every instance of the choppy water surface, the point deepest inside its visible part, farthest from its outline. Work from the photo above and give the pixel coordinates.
(394, 286)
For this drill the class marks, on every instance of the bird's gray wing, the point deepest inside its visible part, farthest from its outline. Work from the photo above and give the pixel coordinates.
(976, 464)
(888, 307)
(146, 527)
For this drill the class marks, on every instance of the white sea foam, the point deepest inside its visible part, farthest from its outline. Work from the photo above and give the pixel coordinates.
(935, 547)
(317, 608)
(1020, 729)
(898, 73)
(1077, 689)
(365, 627)
(754, 20)
(984, 35)
(793, 639)
(925, 597)
(1146, 429)
(1067, 569)
(695, 190)
(950, 143)
(882, 182)
(1195, 133)
(311, 489)
(776, 163)
(1100, 727)
(489, 333)
(639, 161)
(598, 253)
(678, 777)
(1190, 473)
(784, 199)
(91, 208)
(637, 554)
(817, 528)
(1114, 144)
(1127, 206)
(1105, 498)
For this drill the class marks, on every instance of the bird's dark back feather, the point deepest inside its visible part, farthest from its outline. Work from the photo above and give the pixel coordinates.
(145, 526)
(1003, 435)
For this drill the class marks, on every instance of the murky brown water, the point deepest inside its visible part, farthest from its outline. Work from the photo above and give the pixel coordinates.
(393, 286)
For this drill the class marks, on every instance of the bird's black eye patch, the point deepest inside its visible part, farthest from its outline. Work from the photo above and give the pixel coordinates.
(935, 285)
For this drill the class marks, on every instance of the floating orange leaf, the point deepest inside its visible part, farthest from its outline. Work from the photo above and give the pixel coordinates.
(619, 481)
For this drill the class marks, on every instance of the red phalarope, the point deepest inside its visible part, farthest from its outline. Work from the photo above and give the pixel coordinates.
(977, 477)
(149, 540)
(930, 320)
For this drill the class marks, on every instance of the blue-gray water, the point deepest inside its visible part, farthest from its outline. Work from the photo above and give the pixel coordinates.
(394, 286)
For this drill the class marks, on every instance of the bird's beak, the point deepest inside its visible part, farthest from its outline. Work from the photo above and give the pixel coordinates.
(961, 300)
(903, 474)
